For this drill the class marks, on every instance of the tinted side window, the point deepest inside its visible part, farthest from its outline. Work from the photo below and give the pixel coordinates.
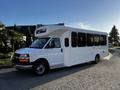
(103, 39)
(74, 39)
(96, 40)
(81, 39)
(66, 42)
(90, 39)
(54, 43)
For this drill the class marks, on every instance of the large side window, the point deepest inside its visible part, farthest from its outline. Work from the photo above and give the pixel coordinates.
(66, 42)
(54, 43)
(90, 39)
(74, 39)
(103, 39)
(96, 40)
(81, 39)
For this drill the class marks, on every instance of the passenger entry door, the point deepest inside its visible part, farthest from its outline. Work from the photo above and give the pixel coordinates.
(54, 52)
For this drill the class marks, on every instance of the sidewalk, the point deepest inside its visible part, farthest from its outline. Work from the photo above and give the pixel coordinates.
(6, 66)
(5, 70)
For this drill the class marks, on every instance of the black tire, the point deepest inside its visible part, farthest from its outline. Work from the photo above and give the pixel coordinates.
(97, 59)
(40, 68)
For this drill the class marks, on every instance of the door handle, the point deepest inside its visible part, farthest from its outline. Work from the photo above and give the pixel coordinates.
(61, 50)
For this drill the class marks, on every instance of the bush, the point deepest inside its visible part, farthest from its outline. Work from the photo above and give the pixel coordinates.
(4, 56)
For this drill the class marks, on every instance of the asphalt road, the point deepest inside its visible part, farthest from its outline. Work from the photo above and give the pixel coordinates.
(102, 76)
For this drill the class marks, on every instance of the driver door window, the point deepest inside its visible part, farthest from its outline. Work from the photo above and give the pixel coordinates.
(54, 43)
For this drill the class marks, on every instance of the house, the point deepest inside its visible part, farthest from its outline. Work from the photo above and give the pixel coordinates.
(22, 28)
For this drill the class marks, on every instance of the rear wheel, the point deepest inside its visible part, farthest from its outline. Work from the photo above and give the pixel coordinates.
(40, 68)
(97, 59)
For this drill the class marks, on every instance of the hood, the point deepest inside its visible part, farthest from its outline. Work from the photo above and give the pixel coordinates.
(25, 50)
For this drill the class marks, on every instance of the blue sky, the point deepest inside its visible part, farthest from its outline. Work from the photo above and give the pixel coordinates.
(92, 14)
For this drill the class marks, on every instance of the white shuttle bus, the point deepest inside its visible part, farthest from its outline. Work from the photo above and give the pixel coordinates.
(61, 46)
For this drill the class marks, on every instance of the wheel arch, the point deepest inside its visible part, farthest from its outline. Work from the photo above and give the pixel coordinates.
(98, 54)
(42, 60)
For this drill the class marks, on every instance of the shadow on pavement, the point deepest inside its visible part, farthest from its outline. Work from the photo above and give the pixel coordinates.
(16, 80)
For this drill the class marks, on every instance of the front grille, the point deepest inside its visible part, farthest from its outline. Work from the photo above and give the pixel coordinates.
(15, 60)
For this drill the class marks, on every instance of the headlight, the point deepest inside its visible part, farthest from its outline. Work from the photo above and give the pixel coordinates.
(24, 58)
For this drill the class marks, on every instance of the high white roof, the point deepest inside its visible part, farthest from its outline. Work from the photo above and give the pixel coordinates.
(59, 30)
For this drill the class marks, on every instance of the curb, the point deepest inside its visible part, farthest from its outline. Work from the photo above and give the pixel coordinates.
(108, 57)
(6, 66)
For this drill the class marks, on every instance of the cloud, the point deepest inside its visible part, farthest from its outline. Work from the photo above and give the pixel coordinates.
(81, 25)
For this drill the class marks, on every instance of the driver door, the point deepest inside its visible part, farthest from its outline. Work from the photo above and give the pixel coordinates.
(54, 51)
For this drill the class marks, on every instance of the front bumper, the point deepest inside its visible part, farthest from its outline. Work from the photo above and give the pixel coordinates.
(24, 67)
(21, 65)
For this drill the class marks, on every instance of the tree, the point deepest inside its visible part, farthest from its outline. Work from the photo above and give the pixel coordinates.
(1, 25)
(2, 36)
(114, 38)
(28, 37)
(10, 40)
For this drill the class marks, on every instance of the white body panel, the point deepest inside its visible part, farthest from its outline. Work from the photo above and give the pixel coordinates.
(78, 55)
(54, 56)
(70, 55)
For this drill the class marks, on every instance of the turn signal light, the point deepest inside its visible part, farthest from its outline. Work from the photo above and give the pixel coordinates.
(24, 60)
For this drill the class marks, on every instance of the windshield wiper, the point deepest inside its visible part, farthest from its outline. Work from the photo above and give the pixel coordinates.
(35, 47)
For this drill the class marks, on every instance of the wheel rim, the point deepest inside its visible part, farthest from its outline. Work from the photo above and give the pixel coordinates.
(40, 69)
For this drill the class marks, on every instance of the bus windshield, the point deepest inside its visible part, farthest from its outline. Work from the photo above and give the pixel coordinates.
(39, 43)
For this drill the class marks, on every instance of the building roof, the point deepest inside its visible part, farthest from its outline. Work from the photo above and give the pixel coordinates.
(22, 28)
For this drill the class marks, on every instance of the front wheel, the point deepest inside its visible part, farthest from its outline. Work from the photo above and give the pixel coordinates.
(40, 68)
